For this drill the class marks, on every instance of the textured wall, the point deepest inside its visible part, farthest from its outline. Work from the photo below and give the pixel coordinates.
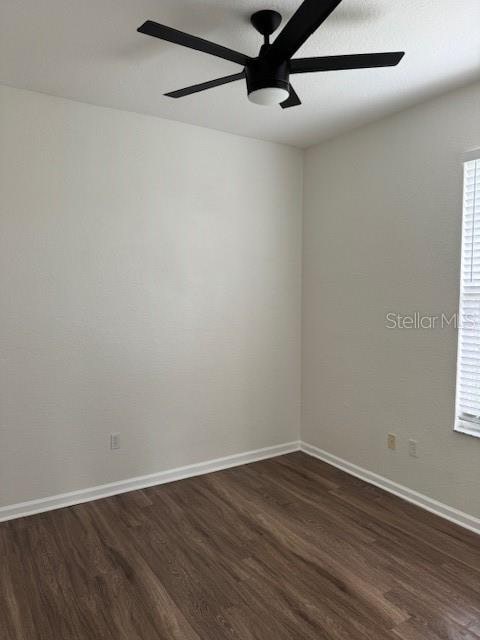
(150, 285)
(382, 233)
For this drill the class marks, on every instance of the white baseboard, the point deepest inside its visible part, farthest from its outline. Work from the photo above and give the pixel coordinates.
(438, 508)
(105, 490)
(41, 505)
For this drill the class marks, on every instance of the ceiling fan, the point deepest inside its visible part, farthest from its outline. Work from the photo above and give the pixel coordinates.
(268, 75)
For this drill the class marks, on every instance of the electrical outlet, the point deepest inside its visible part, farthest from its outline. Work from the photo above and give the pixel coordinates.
(412, 448)
(114, 441)
(392, 441)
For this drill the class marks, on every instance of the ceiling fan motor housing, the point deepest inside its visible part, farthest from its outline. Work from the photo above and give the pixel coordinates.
(261, 73)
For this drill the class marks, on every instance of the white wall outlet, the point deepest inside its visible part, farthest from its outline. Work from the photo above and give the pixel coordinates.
(114, 441)
(412, 448)
(392, 441)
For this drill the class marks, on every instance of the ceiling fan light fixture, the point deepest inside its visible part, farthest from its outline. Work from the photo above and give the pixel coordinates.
(267, 83)
(268, 75)
(268, 96)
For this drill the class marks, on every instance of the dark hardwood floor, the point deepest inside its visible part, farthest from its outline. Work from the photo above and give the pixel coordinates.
(285, 549)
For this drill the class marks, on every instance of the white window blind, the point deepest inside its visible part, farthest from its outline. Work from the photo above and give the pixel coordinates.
(467, 414)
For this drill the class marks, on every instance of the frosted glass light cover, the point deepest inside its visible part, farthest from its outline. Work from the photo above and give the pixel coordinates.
(268, 96)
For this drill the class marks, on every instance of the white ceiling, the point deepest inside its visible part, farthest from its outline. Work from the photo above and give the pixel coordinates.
(89, 50)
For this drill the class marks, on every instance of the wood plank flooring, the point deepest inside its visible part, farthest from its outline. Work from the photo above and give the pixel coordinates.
(285, 549)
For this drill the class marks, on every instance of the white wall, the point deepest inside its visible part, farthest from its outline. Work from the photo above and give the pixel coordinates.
(382, 234)
(150, 285)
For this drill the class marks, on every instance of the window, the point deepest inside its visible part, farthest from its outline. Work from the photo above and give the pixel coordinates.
(467, 411)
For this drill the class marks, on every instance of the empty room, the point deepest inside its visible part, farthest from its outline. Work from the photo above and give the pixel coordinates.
(240, 320)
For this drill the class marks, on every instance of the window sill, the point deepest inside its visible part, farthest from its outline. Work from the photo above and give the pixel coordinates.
(461, 428)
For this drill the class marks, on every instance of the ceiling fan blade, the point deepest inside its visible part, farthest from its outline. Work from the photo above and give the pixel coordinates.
(292, 101)
(180, 93)
(156, 30)
(338, 63)
(308, 17)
